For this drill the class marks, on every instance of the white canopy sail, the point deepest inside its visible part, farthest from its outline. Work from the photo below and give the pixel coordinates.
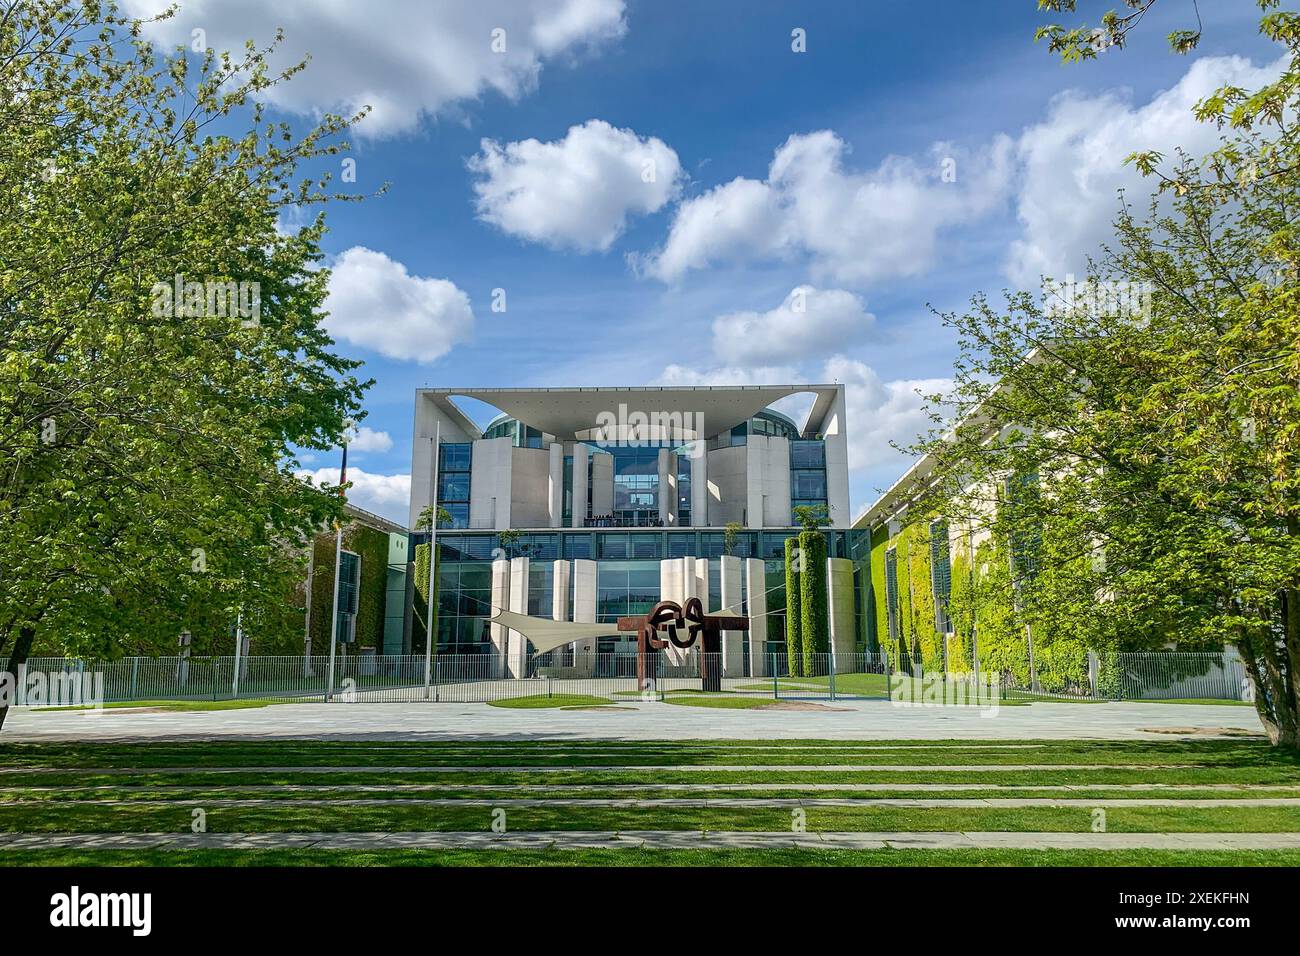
(547, 634)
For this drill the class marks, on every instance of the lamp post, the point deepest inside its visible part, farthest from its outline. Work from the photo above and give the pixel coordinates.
(429, 634)
(338, 560)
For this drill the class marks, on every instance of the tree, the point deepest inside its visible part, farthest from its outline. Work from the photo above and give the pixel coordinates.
(1161, 428)
(149, 437)
(810, 517)
(730, 534)
(425, 521)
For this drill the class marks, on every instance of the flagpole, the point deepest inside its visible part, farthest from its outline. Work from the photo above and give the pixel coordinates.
(338, 559)
(429, 634)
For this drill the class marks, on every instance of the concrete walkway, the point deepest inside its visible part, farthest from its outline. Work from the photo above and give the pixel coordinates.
(615, 768)
(674, 787)
(699, 803)
(653, 839)
(853, 720)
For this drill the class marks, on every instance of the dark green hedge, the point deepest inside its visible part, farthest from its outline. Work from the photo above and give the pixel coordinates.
(815, 624)
(793, 614)
(421, 609)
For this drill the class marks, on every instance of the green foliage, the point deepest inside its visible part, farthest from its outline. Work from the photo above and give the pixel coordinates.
(730, 532)
(793, 607)
(371, 545)
(507, 540)
(425, 521)
(1165, 430)
(810, 517)
(814, 626)
(420, 612)
(149, 482)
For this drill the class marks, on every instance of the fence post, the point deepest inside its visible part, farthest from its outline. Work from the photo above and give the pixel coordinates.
(776, 687)
(135, 672)
(832, 677)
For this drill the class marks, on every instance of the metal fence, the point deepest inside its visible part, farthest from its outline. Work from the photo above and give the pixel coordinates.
(1173, 675)
(467, 678)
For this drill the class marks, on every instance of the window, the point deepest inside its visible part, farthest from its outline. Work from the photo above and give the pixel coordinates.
(454, 460)
(808, 474)
(349, 588)
(808, 484)
(940, 575)
(891, 592)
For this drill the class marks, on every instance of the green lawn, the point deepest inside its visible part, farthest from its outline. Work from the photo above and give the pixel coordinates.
(644, 858)
(723, 700)
(244, 786)
(550, 700)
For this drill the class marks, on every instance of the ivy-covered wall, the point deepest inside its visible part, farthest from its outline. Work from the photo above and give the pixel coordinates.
(421, 609)
(982, 603)
(371, 545)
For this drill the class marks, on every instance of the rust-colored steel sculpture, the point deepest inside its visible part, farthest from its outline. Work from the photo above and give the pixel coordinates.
(670, 616)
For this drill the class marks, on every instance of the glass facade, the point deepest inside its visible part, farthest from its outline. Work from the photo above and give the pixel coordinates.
(808, 473)
(627, 576)
(454, 467)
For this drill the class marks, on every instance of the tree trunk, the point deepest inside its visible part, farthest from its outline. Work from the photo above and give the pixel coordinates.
(17, 658)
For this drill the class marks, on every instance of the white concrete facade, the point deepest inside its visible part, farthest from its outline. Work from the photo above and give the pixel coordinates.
(524, 487)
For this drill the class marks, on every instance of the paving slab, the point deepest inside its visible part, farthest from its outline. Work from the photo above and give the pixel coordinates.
(856, 720)
(654, 839)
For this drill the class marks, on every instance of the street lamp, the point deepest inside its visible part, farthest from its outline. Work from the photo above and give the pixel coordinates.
(338, 560)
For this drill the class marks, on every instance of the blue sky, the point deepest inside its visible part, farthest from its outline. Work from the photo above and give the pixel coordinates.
(913, 155)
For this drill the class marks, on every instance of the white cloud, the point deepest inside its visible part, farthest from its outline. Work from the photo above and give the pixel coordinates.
(577, 191)
(366, 438)
(809, 323)
(387, 495)
(852, 226)
(879, 412)
(404, 58)
(727, 375)
(375, 303)
(1072, 163)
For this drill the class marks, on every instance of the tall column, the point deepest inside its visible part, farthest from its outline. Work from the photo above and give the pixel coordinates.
(499, 634)
(667, 489)
(756, 606)
(559, 599)
(700, 484)
(584, 611)
(580, 454)
(672, 587)
(517, 660)
(839, 604)
(555, 498)
(733, 654)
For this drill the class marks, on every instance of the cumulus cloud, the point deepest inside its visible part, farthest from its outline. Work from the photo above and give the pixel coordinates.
(1072, 163)
(852, 226)
(690, 375)
(879, 412)
(403, 58)
(387, 495)
(366, 438)
(810, 322)
(577, 191)
(375, 303)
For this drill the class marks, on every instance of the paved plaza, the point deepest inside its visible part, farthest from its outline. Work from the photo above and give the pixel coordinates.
(637, 720)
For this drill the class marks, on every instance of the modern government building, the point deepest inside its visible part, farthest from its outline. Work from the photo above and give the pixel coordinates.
(587, 504)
